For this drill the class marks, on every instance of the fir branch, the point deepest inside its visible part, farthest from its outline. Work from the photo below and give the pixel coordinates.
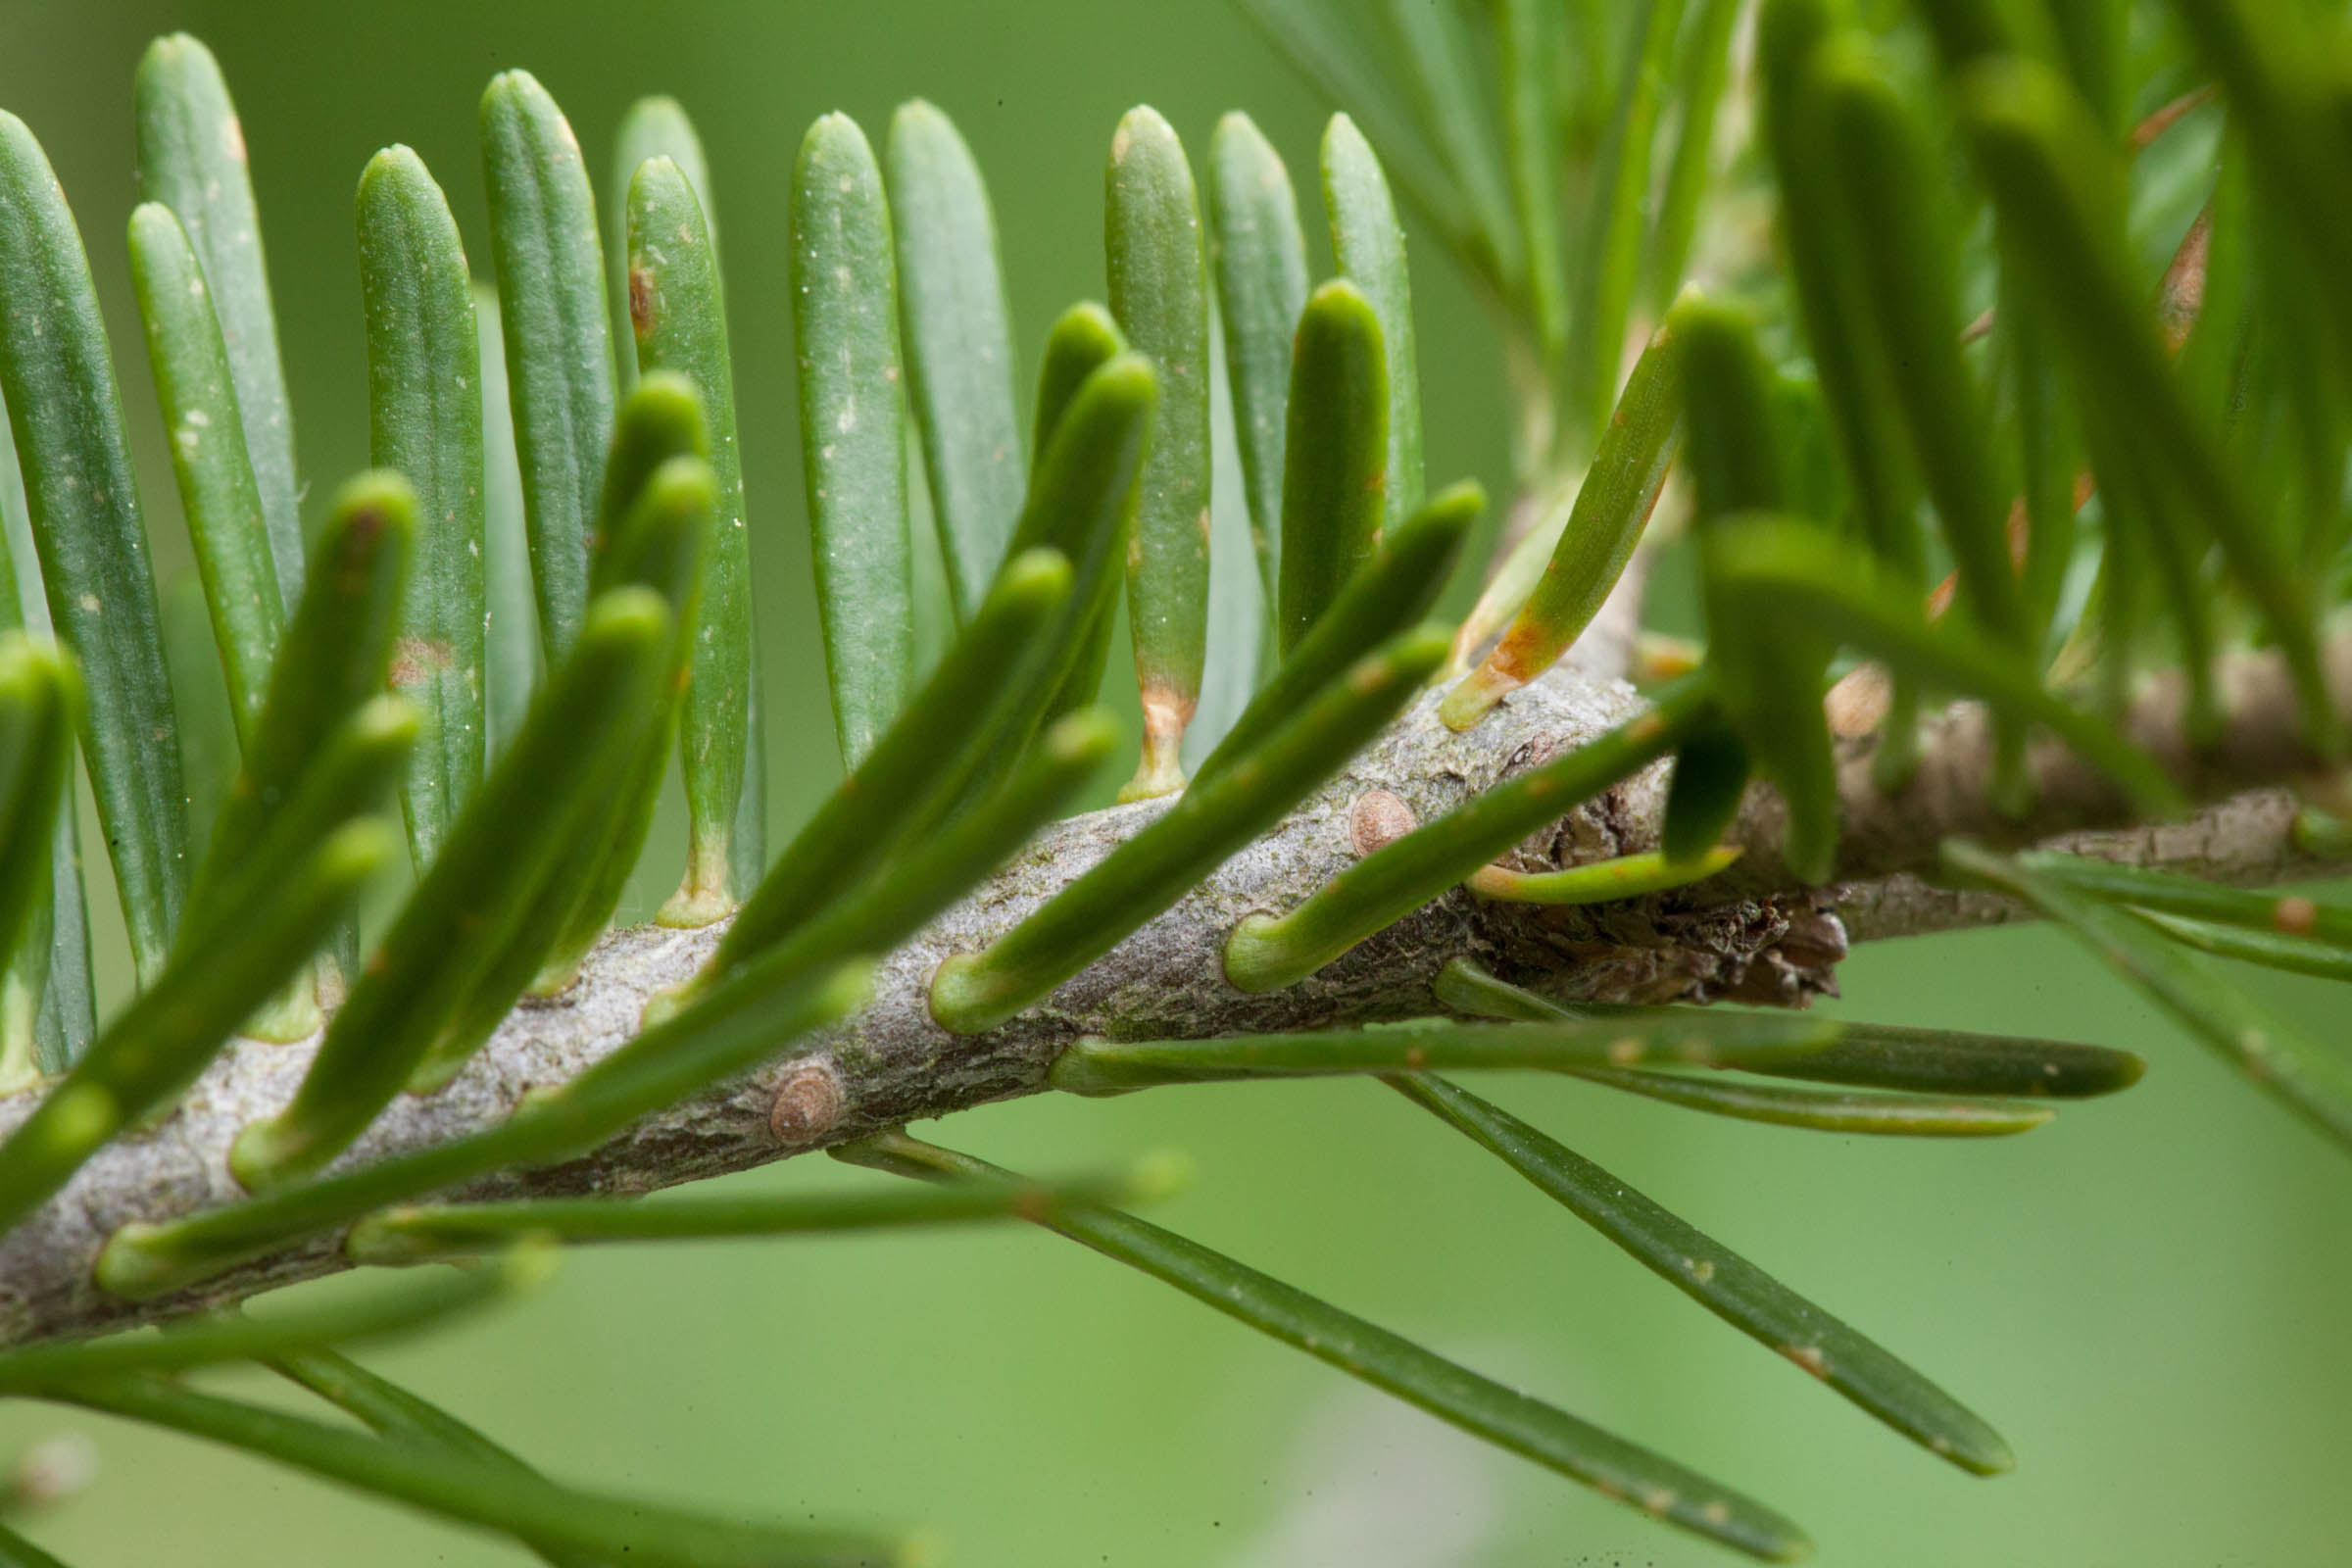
(1748, 935)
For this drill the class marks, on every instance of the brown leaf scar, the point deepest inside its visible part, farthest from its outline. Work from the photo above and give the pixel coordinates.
(1376, 820)
(808, 1103)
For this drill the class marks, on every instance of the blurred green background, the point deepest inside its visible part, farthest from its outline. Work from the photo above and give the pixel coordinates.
(2147, 1298)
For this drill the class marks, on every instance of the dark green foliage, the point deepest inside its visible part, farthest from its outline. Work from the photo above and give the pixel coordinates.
(1709, 781)
(2327, 922)
(1335, 483)
(659, 423)
(679, 319)
(1657, 1036)
(46, 999)
(209, 456)
(653, 128)
(500, 854)
(801, 986)
(1612, 511)
(1368, 242)
(1723, 1282)
(2310, 1077)
(391, 1411)
(424, 406)
(1158, 277)
(852, 443)
(1394, 588)
(486, 1496)
(234, 1335)
(1568, 158)
(192, 160)
(559, 343)
(662, 546)
(1884, 1115)
(1260, 257)
(58, 378)
(1502, 1416)
(154, 1047)
(1777, 567)
(38, 698)
(1958, 1071)
(1822, 255)
(919, 763)
(1150, 870)
(1613, 232)
(1082, 341)
(1879, 1055)
(1767, 673)
(312, 759)
(1902, 243)
(1082, 502)
(959, 357)
(2056, 189)
(2272, 950)
(428, 1233)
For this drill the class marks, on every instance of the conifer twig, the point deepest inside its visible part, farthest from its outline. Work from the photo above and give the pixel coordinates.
(892, 1063)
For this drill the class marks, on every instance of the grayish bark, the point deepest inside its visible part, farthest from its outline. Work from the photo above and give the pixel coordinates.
(1746, 936)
